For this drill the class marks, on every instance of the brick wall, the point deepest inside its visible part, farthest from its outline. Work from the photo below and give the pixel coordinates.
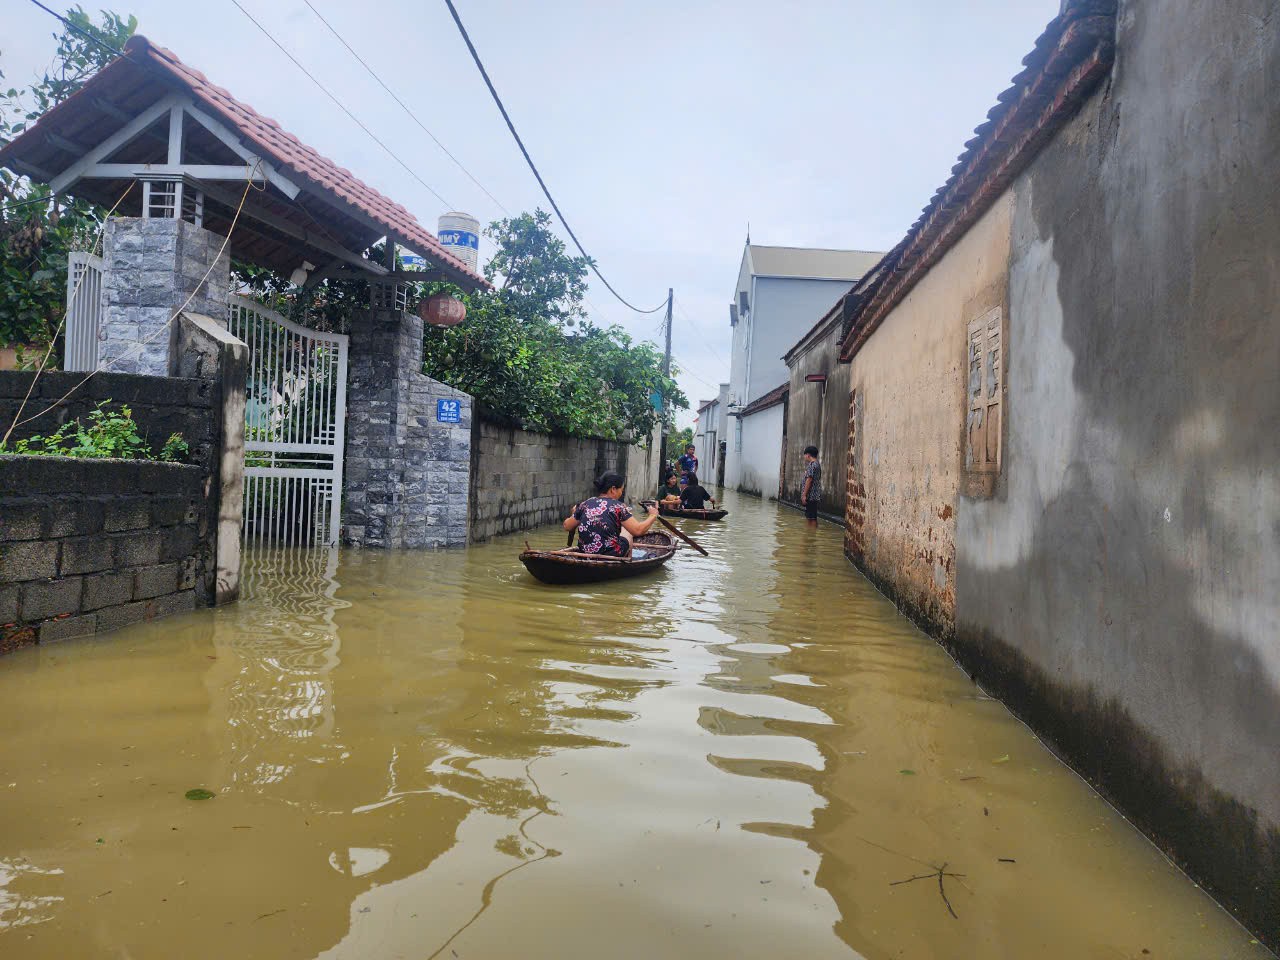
(88, 546)
(522, 480)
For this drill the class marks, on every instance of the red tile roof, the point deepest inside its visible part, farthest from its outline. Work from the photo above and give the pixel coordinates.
(1070, 57)
(770, 399)
(289, 153)
(148, 71)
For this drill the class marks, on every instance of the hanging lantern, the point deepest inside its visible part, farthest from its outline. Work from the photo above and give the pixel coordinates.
(442, 310)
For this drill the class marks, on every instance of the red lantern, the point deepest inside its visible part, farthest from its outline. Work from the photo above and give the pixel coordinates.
(442, 310)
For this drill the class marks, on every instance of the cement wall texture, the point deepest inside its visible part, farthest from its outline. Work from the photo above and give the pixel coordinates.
(908, 427)
(1123, 588)
(88, 546)
(818, 414)
(760, 462)
(522, 480)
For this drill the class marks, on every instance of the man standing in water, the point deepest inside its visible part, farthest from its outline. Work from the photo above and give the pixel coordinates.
(688, 462)
(811, 488)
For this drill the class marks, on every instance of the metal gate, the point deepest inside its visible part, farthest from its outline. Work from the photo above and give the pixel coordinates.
(295, 418)
(84, 310)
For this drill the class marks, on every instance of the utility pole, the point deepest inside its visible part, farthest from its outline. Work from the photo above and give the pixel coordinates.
(666, 372)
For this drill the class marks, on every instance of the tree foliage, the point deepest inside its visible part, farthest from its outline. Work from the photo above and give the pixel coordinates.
(676, 442)
(528, 353)
(38, 231)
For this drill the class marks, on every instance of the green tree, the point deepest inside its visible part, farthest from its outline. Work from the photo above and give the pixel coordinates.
(38, 231)
(528, 353)
(676, 442)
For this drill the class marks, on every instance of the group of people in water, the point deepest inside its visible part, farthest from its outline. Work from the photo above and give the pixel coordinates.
(606, 526)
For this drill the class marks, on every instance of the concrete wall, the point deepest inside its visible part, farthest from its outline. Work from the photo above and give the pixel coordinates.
(523, 480)
(1123, 587)
(88, 546)
(783, 310)
(152, 268)
(761, 460)
(818, 414)
(406, 478)
(909, 422)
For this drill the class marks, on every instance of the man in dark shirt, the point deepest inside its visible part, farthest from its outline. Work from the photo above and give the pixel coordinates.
(695, 496)
(811, 486)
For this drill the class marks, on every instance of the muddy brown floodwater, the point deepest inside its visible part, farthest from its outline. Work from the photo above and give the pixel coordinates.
(431, 755)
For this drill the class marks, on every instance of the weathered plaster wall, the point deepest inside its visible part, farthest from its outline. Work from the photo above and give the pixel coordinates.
(523, 480)
(761, 460)
(909, 422)
(152, 268)
(1123, 588)
(818, 414)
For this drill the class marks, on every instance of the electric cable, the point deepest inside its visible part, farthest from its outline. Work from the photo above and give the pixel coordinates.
(341, 106)
(404, 106)
(532, 166)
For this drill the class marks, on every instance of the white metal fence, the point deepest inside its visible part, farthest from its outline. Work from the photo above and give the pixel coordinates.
(84, 310)
(295, 415)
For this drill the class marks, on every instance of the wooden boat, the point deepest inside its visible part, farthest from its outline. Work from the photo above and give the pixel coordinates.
(648, 553)
(692, 514)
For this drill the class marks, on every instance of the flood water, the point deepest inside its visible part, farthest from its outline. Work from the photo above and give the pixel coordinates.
(428, 755)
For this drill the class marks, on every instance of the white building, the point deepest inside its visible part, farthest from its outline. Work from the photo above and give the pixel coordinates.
(710, 437)
(781, 293)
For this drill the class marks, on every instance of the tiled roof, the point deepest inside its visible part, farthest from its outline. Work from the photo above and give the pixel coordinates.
(1070, 57)
(129, 84)
(287, 151)
(770, 399)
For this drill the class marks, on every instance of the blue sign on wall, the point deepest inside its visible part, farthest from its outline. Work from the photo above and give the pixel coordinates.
(460, 238)
(449, 411)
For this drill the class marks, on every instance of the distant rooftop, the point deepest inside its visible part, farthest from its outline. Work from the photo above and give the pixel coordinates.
(811, 262)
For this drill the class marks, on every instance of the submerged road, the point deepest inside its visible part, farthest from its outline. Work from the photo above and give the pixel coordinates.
(750, 755)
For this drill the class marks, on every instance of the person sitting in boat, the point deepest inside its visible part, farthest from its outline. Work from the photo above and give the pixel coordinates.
(669, 492)
(604, 523)
(695, 496)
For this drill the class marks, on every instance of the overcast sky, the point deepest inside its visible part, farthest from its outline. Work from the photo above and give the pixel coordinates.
(662, 127)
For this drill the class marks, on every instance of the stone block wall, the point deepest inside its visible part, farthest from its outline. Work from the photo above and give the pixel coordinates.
(406, 477)
(87, 546)
(522, 480)
(152, 267)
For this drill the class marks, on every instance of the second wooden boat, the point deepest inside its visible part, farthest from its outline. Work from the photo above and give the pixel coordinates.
(649, 552)
(693, 514)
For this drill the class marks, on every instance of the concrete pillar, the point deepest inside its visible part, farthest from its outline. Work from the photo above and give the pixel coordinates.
(406, 479)
(152, 266)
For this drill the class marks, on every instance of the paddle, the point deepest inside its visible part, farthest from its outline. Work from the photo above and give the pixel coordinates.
(662, 520)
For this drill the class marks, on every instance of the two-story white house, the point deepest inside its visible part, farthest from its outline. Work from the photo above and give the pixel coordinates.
(711, 437)
(781, 293)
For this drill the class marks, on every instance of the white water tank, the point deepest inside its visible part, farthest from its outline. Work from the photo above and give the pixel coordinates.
(460, 235)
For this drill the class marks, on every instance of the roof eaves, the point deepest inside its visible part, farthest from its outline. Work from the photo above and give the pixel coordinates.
(770, 399)
(1070, 57)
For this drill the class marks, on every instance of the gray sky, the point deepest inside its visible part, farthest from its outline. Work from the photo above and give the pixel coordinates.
(661, 127)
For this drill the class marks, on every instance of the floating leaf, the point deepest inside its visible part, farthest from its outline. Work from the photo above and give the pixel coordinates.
(907, 773)
(1004, 759)
(199, 793)
(100, 840)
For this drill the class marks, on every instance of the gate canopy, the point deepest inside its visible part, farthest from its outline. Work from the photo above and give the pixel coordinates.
(149, 117)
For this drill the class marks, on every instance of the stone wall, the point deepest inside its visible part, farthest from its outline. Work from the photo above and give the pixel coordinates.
(152, 267)
(406, 478)
(88, 546)
(522, 480)
(818, 414)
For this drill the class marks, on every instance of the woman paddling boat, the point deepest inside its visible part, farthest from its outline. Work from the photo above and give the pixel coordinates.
(606, 525)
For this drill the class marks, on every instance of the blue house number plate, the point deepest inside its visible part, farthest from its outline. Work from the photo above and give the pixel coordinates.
(449, 411)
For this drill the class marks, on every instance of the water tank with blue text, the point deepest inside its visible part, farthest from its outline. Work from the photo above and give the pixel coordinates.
(460, 234)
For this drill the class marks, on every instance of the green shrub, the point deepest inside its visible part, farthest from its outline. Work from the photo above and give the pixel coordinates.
(108, 434)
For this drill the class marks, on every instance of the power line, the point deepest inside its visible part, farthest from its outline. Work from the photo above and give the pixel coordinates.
(532, 166)
(341, 106)
(84, 33)
(413, 116)
(707, 343)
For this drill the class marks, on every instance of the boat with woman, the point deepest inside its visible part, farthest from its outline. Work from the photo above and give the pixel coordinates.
(612, 542)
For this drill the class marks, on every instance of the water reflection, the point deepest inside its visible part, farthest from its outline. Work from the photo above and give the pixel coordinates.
(434, 755)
